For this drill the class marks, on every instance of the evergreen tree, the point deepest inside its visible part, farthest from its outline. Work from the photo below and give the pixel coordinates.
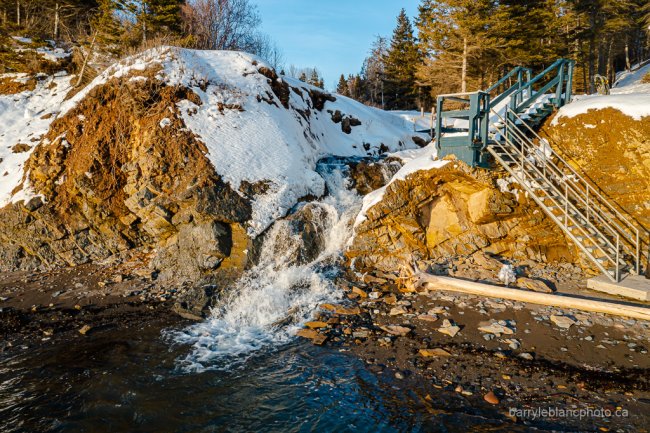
(303, 77)
(401, 65)
(342, 87)
(109, 29)
(321, 84)
(314, 79)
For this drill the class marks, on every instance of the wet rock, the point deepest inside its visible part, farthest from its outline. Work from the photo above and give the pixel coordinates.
(428, 317)
(491, 398)
(495, 328)
(359, 292)
(307, 333)
(534, 285)
(316, 324)
(339, 309)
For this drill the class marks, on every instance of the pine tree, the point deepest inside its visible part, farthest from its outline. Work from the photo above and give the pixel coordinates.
(314, 79)
(109, 29)
(342, 87)
(401, 64)
(321, 84)
(303, 77)
(455, 35)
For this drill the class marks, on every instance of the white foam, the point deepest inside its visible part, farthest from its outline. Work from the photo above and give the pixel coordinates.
(272, 301)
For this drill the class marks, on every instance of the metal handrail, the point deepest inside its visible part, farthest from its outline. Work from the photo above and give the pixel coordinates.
(575, 185)
(554, 217)
(558, 172)
(635, 231)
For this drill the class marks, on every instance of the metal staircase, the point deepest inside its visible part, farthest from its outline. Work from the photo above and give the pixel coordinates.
(485, 131)
(598, 229)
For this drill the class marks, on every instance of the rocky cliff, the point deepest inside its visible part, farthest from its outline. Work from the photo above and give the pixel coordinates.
(441, 216)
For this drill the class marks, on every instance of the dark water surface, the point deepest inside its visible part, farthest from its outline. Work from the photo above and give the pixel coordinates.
(129, 381)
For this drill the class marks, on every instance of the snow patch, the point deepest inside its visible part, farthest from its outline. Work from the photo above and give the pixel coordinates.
(25, 117)
(414, 160)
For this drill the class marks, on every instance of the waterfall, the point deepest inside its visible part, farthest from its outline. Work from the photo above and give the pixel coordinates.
(273, 299)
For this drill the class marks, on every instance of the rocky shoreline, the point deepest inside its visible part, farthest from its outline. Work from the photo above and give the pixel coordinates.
(500, 356)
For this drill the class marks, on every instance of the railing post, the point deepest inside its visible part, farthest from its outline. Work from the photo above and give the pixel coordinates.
(587, 200)
(617, 258)
(560, 85)
(566, 204)
(638, 252)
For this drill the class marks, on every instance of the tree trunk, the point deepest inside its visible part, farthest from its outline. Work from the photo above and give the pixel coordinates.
(463, 75)
(18, 12)
(90, 53)
(144, 22)
(56, 21)
(592, 48)
(628, 66)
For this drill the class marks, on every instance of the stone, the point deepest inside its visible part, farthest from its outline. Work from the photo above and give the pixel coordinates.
(494, 328)
(390, 300)
(491, 398)
(85, 329)
(534, 285)
(434, 353)
(316, 324)
(563, 322)
(360, 334)
(428, 317)
(526, 356)
(397, 330)
(449, 329)
(319, 340)
(307, 333)
(359, 292)
(396, 311)
(374, 295)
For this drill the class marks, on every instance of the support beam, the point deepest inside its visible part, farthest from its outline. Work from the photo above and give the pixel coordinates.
(433, 282)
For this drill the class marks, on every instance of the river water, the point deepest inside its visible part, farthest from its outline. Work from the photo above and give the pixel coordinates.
(241, 371)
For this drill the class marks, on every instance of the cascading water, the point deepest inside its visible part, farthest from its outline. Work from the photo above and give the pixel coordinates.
(273, 299)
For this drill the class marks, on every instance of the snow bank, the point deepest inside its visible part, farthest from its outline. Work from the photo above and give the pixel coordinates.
(24, 118)
(250, 136)
(414, 160)
(629, 95)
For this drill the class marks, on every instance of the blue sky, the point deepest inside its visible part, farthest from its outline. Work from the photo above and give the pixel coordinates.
(332, 35)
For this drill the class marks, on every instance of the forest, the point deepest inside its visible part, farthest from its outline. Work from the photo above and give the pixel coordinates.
(465, 45)
(450, 46)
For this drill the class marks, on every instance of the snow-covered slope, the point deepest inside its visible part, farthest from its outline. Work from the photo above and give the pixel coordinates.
(629, 95)
(251, 133)
(24, 118)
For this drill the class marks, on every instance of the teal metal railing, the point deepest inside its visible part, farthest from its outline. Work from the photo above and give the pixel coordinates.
(463, 130)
